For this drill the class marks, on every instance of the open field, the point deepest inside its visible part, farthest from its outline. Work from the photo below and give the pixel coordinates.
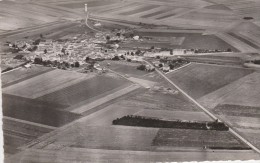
(153, 12)
(11, 143)
(237, 43)
(214, 59)
(250, 31)
(86, 106)
(60, 27)
(45, 83)
(244, 91)
(238, 104)
(173, 15)
(83, 90)
(186, 138)
(160, 101)
(22, 74)
(251, 134)
(243, 122)
(103, 137)
(19, 133)
(124, 67)
(22, 127)
(241, 38)
(21, 15)
(138, 10)
(105, 116)
(237, 110)
(200, 79)
(248, 93)
(218, 16)
(244, 119)
(36, 111)
(193, 40)
(165, 40)
(116, 138)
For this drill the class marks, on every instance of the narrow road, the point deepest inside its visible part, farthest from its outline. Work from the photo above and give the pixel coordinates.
(206, 111)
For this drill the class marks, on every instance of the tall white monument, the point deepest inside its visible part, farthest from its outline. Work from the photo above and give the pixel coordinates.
(86, 11)
(86, 8)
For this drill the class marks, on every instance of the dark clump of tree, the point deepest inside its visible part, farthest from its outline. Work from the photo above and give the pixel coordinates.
(66, 64)
(123, 57)
(37, 42)
(138, 52)
(63, 50)
(15, 50)
(132, 35)
(7, 69)
(107, 38)
(37, 60)
(256, 62)
(230, 148)
(113, 41)
(176, 63)
(248, 18)
(229, 50)
(140, 121)
(87, 59)
(141, 67)
(32, 49)
(19, 56)
(171, 52)
(115, 58)
(76, 64)
(45, 51)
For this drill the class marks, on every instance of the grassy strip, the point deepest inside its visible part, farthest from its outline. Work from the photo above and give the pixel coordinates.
(141, 121)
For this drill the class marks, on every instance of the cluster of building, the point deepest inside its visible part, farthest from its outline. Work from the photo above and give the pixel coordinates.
(167, 65)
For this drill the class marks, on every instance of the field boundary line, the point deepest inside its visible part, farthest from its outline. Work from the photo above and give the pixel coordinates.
(31, 123)
(25, 78)
(120, 75)
(135, 80)
(178, 68)
(208, 112)
(105, 99)
(94, 98)
(11, 70)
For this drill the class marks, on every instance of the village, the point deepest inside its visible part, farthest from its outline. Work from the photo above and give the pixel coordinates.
(84, 51)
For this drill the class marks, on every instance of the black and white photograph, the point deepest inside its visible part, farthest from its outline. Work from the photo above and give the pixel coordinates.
(130, 81)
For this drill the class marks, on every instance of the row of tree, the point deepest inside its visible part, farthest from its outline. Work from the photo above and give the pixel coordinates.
(141, 121)
(60, 65)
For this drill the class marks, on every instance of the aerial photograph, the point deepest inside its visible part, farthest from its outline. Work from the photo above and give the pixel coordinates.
(122, 81)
